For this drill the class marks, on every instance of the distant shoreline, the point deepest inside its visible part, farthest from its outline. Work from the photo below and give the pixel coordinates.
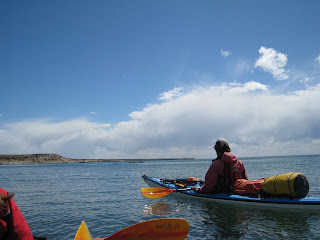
(6, 159)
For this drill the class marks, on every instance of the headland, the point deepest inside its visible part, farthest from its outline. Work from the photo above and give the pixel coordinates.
(45, 158)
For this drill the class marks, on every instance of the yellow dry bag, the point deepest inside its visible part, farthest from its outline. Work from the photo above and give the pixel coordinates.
(289, 184)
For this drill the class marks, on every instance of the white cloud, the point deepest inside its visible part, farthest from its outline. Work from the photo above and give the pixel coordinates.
(176, 92)
(318, 59)
(307, 80)
(254, 120)
(274, 62)
(68, 137)
(249, 87)
(225, 53)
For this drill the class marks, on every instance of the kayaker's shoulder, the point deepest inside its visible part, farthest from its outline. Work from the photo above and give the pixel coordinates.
(228, 157)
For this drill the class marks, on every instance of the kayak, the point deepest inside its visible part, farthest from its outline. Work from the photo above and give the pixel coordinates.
(312, 203)
(156, 229)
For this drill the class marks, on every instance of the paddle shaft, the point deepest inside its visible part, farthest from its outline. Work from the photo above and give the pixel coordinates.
(182, 189)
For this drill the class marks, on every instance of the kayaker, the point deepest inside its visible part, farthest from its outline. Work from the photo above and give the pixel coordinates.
(223, 171)
(13, 225)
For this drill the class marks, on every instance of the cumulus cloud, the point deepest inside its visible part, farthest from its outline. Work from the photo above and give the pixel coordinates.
(225, 53)
(254, 120)
(272, 61)
(248, 87)
(318, 59)
(45, 136)
(176, 92)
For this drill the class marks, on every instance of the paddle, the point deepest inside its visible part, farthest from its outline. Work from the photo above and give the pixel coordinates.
(159, 192)
(158, 229)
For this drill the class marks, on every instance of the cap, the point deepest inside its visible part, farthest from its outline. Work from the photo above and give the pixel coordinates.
(222, 143)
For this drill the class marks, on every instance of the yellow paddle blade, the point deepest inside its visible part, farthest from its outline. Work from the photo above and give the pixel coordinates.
(83, 232)
(158, 229)
(156, 192)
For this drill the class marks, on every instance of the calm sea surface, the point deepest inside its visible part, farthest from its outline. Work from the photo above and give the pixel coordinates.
(55, 198)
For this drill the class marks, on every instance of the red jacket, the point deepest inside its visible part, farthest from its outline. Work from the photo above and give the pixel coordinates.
(217, 171)
(13, 226)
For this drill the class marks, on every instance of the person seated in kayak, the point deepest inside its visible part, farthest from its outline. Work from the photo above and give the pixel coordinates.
(223, 171)
(13, 225)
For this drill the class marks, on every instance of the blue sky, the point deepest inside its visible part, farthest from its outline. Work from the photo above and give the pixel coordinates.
(127, 79)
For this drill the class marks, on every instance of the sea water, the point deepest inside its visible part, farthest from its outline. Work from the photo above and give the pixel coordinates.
(55, 198)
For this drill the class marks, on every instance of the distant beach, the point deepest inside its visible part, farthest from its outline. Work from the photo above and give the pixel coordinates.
(6, 159)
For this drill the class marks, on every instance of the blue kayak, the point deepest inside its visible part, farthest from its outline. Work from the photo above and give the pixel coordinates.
(312, 203)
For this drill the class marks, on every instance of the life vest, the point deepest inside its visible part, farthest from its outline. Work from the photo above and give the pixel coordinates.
(246, 187)
(289, 184)
(232, 172)
(13, 225)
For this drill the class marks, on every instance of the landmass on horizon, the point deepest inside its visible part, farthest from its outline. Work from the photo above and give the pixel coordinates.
(6, 159)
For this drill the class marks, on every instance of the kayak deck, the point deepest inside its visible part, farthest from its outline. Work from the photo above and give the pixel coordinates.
(284, 202)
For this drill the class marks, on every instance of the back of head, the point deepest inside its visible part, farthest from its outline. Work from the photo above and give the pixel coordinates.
(222, 145)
